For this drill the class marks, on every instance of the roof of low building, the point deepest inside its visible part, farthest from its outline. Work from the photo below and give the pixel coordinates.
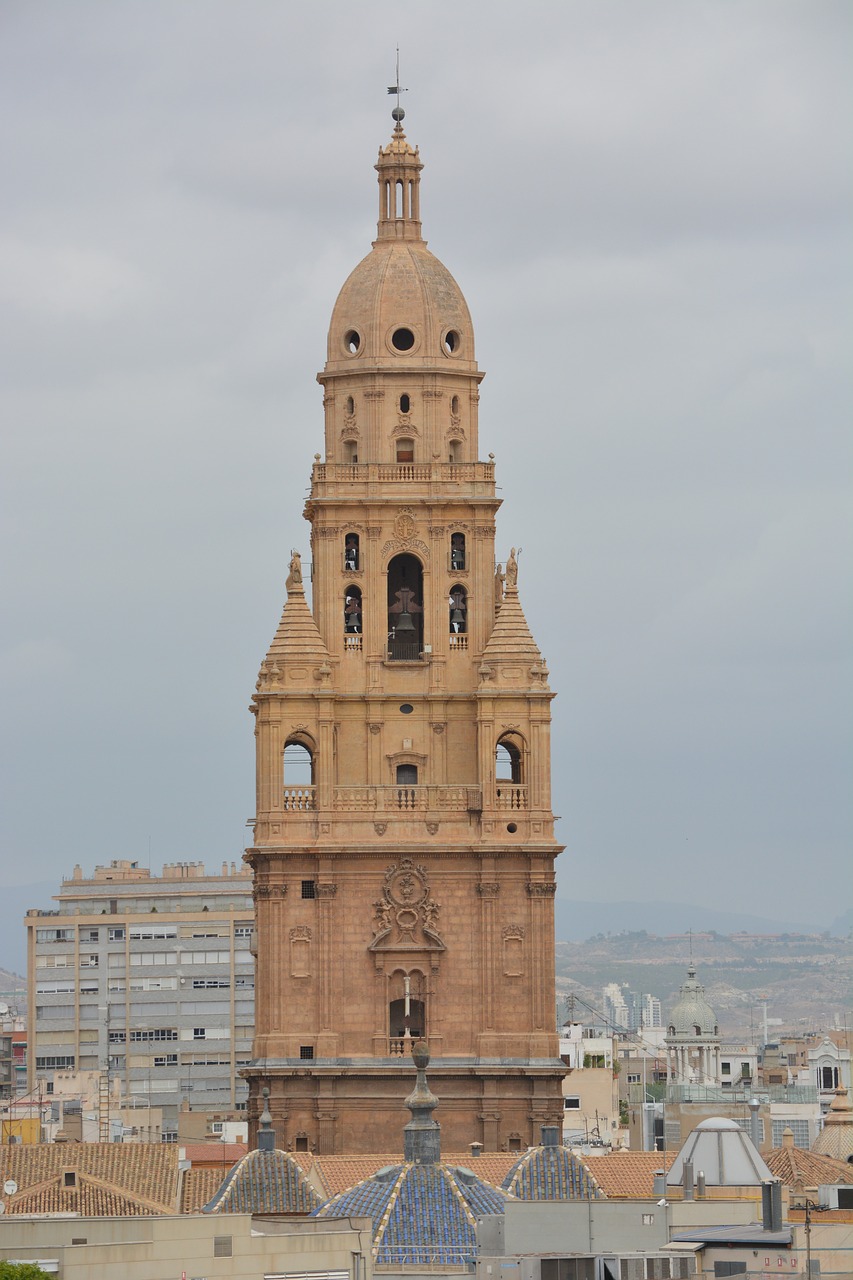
(110, 1178)
(628, 1175)
(807, 1169)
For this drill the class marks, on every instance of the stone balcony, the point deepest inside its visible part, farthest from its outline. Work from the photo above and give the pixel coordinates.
(389, 799)
(357, 479)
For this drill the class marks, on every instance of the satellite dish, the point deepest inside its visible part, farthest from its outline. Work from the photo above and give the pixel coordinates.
(10, 1187)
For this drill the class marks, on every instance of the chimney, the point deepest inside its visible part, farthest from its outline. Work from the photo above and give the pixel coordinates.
(659, 1183)
(754, 1123)
(476, 1149)
(700, 1184)
(687, 1179)
(771, 1204)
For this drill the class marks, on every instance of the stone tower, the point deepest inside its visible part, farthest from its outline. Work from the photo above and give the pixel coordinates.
(404, 846)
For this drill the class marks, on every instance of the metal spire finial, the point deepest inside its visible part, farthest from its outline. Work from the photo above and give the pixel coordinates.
(398, 114)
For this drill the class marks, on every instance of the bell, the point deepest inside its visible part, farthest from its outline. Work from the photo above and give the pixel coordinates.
(404, 622)
(457, 617)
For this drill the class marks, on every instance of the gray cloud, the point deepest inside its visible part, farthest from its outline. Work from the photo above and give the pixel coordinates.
(647, 207)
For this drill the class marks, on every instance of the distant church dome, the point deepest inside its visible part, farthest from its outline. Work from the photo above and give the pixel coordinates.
(400, 301)
(692, 1015)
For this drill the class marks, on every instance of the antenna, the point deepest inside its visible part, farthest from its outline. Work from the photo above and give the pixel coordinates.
(398, 113)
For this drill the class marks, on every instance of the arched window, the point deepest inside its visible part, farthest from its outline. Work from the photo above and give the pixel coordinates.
(351, 451)
(350, 405)
(405, 403)
(405, 609)
(298, 775)
(405, 450)
(406, 1010)
(454, 451)
(457, 551)
(351, 549)
(458, 610)
(454, 405)
(407, 775)
(510, 789)
(352, 611)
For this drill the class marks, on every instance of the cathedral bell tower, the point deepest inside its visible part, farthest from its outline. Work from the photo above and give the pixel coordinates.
(404, 849)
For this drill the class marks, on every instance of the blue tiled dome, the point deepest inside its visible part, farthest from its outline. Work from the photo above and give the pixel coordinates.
(551, 1173)
(264, 1182)
(422, 1213)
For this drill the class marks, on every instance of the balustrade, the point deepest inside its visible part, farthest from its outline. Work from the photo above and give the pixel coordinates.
(508, 795)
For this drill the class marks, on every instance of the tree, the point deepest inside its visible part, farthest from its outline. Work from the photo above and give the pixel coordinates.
(20, 1271)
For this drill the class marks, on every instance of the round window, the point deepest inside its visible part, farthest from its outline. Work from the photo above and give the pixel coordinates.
(352, 341)
(407, 708)
(452, 342)
(402, 339)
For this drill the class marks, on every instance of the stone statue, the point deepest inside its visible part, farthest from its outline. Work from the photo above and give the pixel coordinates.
(294, 578)
(512, 570)
(499, 584)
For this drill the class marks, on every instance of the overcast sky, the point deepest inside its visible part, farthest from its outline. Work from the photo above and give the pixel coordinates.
(647, 206)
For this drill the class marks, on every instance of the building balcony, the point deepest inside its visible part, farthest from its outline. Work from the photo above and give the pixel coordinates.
(510, 795)
(389, 799)
(791, 1093)
(355, 479)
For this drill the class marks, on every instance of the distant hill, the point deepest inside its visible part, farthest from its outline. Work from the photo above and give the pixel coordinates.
(806, 979)
(576, 921)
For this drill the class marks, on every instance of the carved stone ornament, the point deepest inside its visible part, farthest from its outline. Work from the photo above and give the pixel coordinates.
(488, 889)
(405, 426)
(404, 524)
(375, 728)
(263, 891)
(430, 393)
(405, 916)
(374, 530)
(380, 828)
(326, 890)
(485, 530)
(300, 932)
(512, 931)
(432, 828)
(541, 889)
(393, 545)
(439, 728)
(374, 395)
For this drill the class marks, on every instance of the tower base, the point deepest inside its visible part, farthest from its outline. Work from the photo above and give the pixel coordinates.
(336, 1107)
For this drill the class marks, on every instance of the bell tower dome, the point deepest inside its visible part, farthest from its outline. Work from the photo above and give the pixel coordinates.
(404, 878)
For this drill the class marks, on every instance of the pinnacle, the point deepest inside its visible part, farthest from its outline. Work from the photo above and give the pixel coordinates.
(297, 635)
(511, 637)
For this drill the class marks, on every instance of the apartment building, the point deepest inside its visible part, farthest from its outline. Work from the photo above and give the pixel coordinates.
(146, 980)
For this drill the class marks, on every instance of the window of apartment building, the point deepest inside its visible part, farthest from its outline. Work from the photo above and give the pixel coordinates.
(633, 1077)
(572, 1103)
(56, 1062)
(207, 984)
(90, 935)
(54, 935)
(150, 932)
(145, 958)
(88, 962)
(148, 1037)
(222, 1246)
(117, 934)
(199, 1033)
(169, 1135)
(88, 987)
(726, 1068)
(54, 988)
(117, 1037)
(242, 931)
(245, 983)
(166, 1060)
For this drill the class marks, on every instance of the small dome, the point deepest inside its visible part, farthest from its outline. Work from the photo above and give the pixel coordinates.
(836, 1137)
(692, 1015)
(723, 1152)
(400, 306)
(551, 1173)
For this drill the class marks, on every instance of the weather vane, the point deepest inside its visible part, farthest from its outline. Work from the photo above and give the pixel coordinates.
(398, 113)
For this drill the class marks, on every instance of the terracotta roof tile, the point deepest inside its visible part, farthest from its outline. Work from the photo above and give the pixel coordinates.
(795, 1166)
(628, 1174)
(107, 1173)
